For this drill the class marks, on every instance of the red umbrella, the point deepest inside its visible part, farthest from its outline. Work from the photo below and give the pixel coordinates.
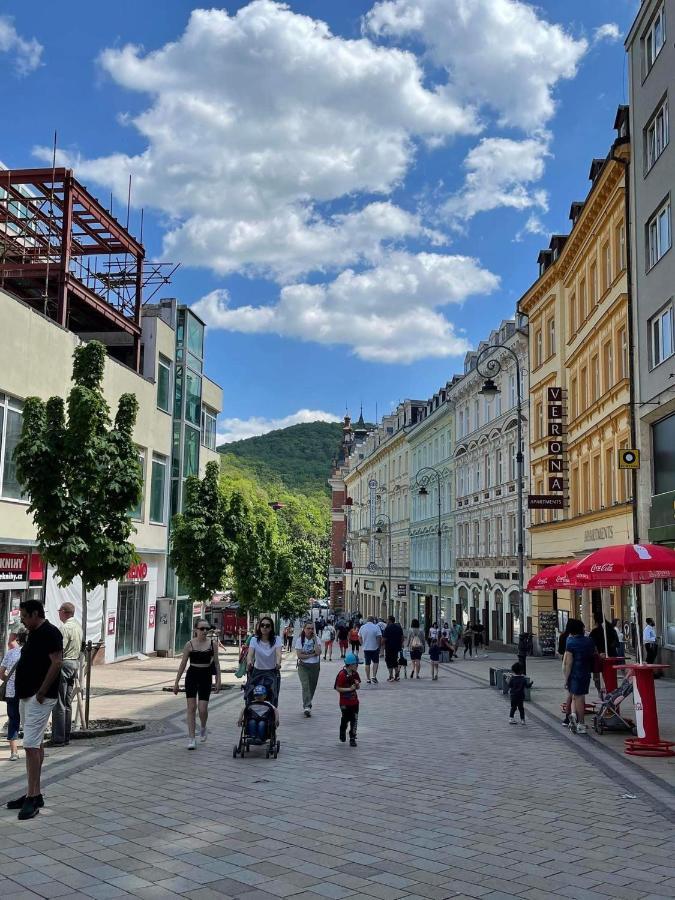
(625, 564)
(553, 578)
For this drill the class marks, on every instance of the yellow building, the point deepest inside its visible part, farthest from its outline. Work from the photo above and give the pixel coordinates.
(579, 389)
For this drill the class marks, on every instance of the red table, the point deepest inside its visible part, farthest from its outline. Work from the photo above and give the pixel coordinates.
(648, 742)
(609, 666)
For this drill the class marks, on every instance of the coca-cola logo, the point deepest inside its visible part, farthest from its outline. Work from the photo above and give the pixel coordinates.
(561, 579)
(602, 567)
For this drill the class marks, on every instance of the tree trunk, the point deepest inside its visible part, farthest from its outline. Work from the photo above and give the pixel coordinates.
(84, 611)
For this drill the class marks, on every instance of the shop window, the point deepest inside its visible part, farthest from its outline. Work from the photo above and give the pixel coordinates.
(663, 443)
(658, 234)
(158, 489)
(208, 428)
(10, 432)
(661, 336)
(164, 383)
(668, 606)
(131, 619)
(137, 511)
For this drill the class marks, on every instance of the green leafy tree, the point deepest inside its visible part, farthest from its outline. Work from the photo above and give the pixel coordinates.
(199, 546)
(82, 476)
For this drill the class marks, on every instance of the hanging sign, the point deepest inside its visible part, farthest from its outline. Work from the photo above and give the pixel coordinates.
(13, 567)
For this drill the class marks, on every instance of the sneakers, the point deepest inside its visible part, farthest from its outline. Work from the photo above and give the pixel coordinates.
(565, 721)
(352, 742)
(30, 808)
(308, 712)
(13, 757)
(203, 734)
(191, 744)
(19, 802)
(512, 721)
(374, 680)
(343, 736)
(522, 722)
(581, 728)
(369, 681)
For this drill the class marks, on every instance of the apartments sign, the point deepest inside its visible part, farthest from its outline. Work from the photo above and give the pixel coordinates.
(557, 454)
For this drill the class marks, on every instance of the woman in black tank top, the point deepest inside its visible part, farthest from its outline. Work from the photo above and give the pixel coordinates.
(202, 654)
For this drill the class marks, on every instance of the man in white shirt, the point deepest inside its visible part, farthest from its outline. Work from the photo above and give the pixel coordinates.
(370, 637)
(649, 638)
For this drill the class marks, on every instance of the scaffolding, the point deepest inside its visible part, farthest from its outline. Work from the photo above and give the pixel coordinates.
(65, 255)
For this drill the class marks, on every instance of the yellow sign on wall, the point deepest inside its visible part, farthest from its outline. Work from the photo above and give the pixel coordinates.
(629, 459)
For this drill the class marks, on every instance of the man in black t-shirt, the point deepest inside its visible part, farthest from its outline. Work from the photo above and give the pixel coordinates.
(37, 685)
(393, 644)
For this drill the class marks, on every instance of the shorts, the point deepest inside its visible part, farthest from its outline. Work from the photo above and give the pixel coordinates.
(579, 684)
(391, 659)
(343, 644)
(35, 716)
(198, 683)
(371, 656)
(415, 653)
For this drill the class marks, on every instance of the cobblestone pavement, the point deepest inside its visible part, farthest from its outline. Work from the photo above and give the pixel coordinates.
(442, 798)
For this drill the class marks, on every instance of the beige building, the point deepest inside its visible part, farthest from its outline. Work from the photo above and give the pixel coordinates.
(578, 345)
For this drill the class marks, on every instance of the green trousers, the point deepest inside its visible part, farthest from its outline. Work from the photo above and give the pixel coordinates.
(309, 676)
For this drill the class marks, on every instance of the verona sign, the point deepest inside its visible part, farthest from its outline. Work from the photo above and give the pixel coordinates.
(556, 458)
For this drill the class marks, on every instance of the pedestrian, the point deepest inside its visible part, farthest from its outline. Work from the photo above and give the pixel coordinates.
(308, 650)
(62, 716)
(577, 667)
(264, 653)
(467, 639)
(381, 624)
(202, 654)
(433, 632)
(562, 644)
(650, 642)
(416, 646)
(10, 660)
(620, 643)
(347, 684)
(393, 647)
(354, 639)
(36, 686)
(606, 645)
(343, 638)
(328, 638)
(478, 638)
(320, 625)
(370, 637)
(517, 684)
(434, 657)
(455, 635)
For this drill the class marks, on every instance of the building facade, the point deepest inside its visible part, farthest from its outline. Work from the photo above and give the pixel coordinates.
(579, 390)
(432, 443)
(485, 470)
(651, 66)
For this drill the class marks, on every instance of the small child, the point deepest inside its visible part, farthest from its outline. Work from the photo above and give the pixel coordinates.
(260, 711)
(434, 657)
(517, 684)
(347, 685)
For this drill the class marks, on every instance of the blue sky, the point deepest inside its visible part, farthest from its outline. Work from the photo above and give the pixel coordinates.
(356, 192)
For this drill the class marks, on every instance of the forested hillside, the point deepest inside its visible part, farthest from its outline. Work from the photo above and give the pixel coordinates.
(299, 456)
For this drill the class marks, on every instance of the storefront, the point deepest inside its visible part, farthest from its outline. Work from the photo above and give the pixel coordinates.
(131, 609)
(21, 577)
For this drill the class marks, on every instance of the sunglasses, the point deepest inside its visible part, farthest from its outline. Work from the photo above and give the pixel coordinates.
(201, 628)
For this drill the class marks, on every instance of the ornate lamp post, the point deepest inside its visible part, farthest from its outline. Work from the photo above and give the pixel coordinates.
(381, 522)
(488, 369)
(424, 477)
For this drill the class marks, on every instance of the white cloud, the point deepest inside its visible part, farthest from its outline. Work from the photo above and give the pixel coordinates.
(500, 53)
(388, 313)
(26, 53)
(607, 32)
(259, 118)
(237, 429)
(500, 172)
(533, 225)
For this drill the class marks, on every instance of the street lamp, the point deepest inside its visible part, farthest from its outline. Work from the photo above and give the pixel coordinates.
(490, 368)
(424, 477)
(380, 523)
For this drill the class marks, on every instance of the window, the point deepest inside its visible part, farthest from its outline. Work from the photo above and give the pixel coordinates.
(498, 405)
(576, 500)
(10, 432)
(656, 135)
(573, 398)
(488, 470)
(606, 267)
(550, 331)
(163, 383)
(583, 389)
(513, 535)
(593, 286)
(158, 489)
(595, 378)
(596, 482)
(137, 511)
(620, 240)
(573, 314)
(476, 539)
(488, 536)
(476, 414)
(663, 442)
(658, 234)
(500, 468)
(654, 39)
(512, 391)
(538, 348)
(608, 365)
(609, 476)
(623, 354)
(460, 426)
(513, 463)
(190, 452)
(661, 336)
(498, 536)
(540, 420)
(582, 300)
(585, 487)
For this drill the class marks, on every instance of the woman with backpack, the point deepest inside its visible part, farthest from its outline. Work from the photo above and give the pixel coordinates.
(416, 645)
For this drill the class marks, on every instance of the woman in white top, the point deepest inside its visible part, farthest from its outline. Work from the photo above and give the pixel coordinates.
(8, 674)
(308, 650)
(264, 652)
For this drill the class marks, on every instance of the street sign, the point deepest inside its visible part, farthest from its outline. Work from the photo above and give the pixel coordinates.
(545, 501)
(629, 459)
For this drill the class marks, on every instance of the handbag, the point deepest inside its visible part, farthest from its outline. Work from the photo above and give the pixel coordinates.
(3, 686)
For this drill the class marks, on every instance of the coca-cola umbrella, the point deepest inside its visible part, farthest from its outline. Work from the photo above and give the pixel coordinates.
(625, 564)
(553, 578)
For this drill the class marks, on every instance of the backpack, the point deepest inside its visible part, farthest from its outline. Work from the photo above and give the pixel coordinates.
(416, 642)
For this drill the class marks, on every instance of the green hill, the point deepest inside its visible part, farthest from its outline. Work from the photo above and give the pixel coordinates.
(300, 456)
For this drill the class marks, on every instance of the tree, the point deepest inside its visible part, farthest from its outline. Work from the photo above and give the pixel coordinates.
(199, 547)
(82, 477)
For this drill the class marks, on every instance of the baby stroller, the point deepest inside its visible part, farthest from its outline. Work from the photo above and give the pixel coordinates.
(608, 716)
(258, 725)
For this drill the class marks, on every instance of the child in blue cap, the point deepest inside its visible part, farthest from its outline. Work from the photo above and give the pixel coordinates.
(347, 685)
